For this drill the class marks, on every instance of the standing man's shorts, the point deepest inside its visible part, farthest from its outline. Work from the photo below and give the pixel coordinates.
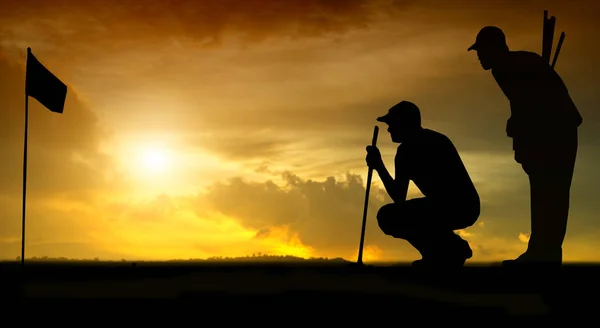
(551, 155)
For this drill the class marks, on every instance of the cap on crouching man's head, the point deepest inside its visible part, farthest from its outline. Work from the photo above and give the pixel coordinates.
(404, 113)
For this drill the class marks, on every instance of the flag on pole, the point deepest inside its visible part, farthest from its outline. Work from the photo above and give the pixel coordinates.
(43, 86)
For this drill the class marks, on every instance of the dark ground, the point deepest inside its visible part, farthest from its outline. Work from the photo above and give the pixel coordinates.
(335, 293)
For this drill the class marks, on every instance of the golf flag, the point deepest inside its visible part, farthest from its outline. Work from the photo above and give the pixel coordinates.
(43, 86)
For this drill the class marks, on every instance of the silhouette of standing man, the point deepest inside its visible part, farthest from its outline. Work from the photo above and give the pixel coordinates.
(451, 202)
(543, 125)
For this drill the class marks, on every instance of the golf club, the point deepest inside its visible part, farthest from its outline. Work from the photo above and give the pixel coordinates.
(364, 218)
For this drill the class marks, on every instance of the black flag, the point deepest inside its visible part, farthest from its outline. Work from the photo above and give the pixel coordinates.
(43, 86)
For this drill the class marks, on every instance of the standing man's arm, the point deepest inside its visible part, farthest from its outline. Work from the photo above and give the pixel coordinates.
(526, 85)
(512, 122)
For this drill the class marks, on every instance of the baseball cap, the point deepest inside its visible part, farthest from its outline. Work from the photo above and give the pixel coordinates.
(489, 37)
(402, 111)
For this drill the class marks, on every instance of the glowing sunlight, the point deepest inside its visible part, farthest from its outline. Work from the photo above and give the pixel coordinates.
(154, 160)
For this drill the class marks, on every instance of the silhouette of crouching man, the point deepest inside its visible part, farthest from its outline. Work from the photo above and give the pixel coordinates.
(429, 229)
(451, 202)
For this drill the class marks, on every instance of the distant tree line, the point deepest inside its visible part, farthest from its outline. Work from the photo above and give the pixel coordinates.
(248, 258)
(57, 259)
(266, 257)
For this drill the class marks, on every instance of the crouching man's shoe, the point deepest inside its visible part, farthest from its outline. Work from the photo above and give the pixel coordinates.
(449, 257)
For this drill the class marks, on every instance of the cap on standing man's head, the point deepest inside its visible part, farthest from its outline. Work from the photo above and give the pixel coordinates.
(404, 112)
(489, 37)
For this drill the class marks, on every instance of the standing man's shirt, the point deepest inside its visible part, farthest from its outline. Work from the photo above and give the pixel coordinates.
(432, 162)
(541, 106)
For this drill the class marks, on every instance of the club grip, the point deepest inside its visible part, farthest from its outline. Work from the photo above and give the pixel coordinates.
(375, 133)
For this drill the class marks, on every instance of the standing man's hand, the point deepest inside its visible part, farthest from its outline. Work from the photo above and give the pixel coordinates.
(373, 159)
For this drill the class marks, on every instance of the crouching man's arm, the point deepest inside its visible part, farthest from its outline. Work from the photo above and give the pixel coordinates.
(397, 188)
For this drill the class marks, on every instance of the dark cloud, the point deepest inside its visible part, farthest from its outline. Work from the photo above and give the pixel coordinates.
(211, 22)
(204, 21)
(326, 214)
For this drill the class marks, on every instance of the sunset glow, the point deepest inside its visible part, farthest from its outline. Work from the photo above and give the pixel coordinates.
(194, 129)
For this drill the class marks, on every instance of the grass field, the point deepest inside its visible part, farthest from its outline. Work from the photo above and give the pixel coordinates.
(321, 286)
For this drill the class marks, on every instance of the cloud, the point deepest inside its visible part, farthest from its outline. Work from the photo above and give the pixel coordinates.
(524, 237)
(325, 214)
(244, 144)
(206, 22)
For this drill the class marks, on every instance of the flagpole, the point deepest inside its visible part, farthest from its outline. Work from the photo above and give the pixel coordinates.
(25, 169)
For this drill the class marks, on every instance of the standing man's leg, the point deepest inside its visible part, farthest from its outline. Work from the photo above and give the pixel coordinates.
(551, 199)
(549, 215)
(550, 169)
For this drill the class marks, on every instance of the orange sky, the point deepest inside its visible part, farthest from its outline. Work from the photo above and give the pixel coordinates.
(254, 116)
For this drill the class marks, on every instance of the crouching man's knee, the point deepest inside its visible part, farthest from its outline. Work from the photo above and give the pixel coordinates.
(386, 219)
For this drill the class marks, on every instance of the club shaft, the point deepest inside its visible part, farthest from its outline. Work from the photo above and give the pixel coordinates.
(558, 47)
(365, 210)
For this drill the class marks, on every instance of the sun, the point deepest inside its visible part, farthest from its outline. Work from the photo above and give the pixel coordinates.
(154, 160)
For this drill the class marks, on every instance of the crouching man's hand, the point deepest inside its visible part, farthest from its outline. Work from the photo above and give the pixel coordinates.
(373, 159)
